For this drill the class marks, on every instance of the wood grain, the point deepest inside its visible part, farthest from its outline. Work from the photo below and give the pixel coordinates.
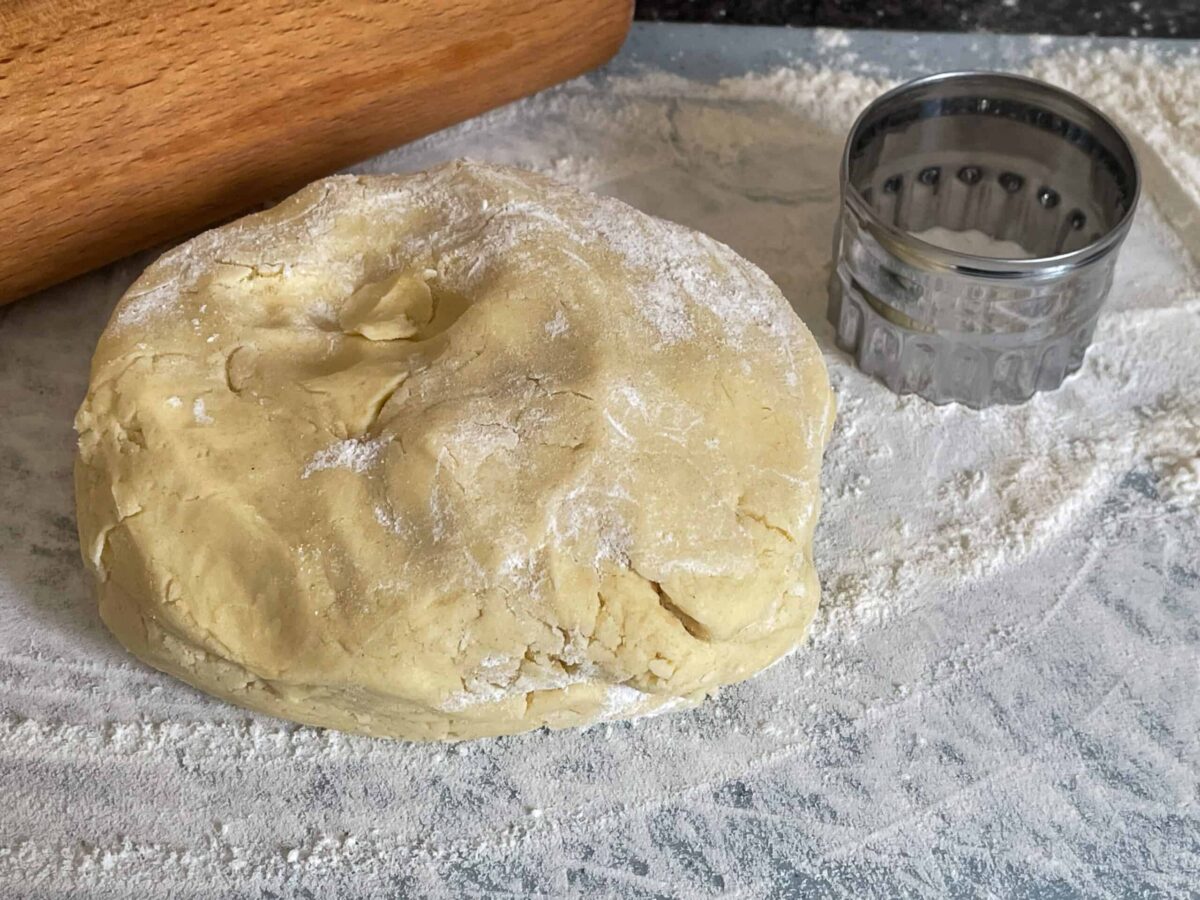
(125, 124)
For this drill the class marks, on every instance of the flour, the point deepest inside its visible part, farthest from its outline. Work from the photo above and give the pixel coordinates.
(1158, 103)
(1000, 688)
(974, 242)
(199, 414)
(392, 522)
(355, 454)
(557, 326)
(145, 306)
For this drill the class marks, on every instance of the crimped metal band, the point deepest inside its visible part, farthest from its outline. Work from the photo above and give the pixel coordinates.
(1012, 157)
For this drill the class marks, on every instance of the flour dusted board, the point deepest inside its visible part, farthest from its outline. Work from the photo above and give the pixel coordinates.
(999, 693)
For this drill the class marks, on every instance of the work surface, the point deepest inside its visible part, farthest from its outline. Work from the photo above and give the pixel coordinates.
(999, 696)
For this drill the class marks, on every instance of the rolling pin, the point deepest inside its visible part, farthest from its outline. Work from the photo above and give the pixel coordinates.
(126, 123)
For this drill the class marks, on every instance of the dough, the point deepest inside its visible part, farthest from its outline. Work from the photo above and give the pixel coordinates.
(453, 454)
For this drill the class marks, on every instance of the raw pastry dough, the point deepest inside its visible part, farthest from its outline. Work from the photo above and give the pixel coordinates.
(453, 454)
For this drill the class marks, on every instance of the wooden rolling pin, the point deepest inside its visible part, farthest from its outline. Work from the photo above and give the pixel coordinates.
(125, 123)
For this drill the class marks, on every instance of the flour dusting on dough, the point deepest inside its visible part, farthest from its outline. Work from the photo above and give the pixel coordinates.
(354, 455)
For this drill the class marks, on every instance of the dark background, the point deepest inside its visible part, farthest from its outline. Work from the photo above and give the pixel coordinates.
(1147, 18)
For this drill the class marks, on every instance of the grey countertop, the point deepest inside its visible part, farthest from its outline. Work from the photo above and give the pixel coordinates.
(1151, 18)
(1025, 731)
(710, 52)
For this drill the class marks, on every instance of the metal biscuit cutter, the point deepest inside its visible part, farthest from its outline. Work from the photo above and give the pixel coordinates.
(1016, 159)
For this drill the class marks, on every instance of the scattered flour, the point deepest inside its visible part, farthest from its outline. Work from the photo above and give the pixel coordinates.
(142, 308)
(973, 241)
(832, 38)
(999, 695)
(558, 325)
(354, 454)
(199, 414)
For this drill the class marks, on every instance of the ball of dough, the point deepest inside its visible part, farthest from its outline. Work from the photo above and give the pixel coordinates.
(453, 454)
